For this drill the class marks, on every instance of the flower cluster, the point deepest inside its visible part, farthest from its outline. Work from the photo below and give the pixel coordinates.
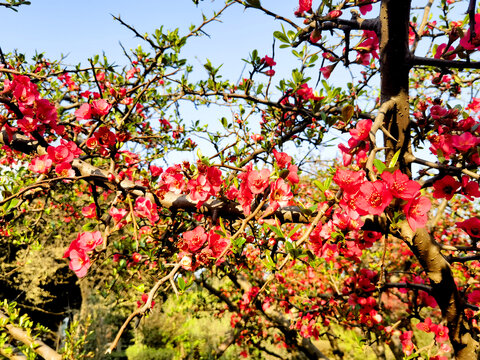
(199, 247)
(39, 115)
(256, 182)
(79, 249)
(358, 144)
(61, 156)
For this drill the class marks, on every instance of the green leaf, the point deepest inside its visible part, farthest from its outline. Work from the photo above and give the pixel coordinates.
(293, 231)
(181, 283)
(269, 263)
(89, 226)
(394, 160)
(222, 226)
(253, 3)
(281, 36)
(319, 185)
(379, 165)
(277, 231)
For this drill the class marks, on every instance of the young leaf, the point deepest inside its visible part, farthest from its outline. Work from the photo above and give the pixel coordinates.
(379, 165)
(394, 160)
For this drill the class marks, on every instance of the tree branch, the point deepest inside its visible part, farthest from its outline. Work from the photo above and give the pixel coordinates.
(37, 346)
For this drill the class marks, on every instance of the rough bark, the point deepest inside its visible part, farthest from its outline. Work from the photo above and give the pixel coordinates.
(395, 60)
(394, 70)
(444, 290)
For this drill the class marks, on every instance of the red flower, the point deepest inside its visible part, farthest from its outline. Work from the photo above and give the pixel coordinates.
(362, 129)
(117, 214)
(416, 211)
(40, 164)
(465, 41)
(217, 244)
(437, 112)
(195, 238)
(90, 211)
(464, 142)
(327, 70)
(373, 198)
(446, 187)
(441, 50)
(474, 297)
(304, 6)
(400, 185)
(425, 326)
(282, 159)
(145, 208)
(257, 181)
(101, 107)
(79, 262)
(470, 188)
(471, 226)
(280, 194)
(84, 112)
(199, 188)
(348, 180)
(65, 169)
(268, 61)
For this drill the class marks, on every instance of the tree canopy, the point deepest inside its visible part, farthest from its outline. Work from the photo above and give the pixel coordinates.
(284, 251)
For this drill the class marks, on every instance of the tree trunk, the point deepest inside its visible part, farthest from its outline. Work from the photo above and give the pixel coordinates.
(395, 65)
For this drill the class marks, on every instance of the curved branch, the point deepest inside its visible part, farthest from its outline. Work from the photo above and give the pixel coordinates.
(141, 310)
(37, 346)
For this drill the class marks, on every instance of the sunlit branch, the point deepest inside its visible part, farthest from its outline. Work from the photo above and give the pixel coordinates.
(144, 308)
(36, 345)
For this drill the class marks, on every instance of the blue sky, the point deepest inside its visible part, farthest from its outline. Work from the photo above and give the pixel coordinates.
(83, 29)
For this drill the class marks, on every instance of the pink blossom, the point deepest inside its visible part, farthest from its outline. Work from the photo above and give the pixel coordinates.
(464, 142)
(373, 198)
(268, 61)
(84, 112)
(362, 130)
(195, 238)
(65, 170)
(366, 8)
(90, 211)
(79, 262)
(257, 181)
(327, 70)
(282, 159)
(416, 211)
(117, 214)
(87, 241)
(293, 174)
(475, 42)
(60, 154)
(304, 6)
(27, 124)
(217, 244)
(199, 188)
(400, 185)
(41, 164)
(437, 112)
(100, 107)
(280, 194)
(441, 50)
(474, 297)
(145, 208)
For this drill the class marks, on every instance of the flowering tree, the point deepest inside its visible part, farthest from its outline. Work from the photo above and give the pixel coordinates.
(383, 241)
